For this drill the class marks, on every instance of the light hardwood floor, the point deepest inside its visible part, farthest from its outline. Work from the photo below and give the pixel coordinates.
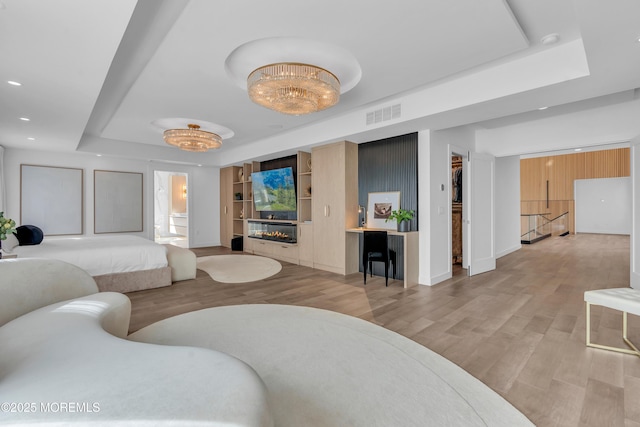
(519, 329)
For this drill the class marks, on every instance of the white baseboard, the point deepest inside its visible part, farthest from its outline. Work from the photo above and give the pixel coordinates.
(508, 251)
(424, 280)
(441, 278)
(206, 244)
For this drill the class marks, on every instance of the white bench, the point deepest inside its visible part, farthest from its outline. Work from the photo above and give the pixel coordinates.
(626, 300)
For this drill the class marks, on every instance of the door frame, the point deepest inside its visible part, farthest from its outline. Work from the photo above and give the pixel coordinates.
(464, 153)
(152, 213)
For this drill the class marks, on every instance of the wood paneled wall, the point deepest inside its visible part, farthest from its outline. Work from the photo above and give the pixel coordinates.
(560, 172)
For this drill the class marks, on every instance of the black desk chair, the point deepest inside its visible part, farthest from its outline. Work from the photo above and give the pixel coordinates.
(376, 249)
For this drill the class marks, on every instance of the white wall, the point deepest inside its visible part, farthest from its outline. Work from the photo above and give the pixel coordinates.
(204, 189)
(507, 205)
(603, 205)
(424, 211)
(635, 213)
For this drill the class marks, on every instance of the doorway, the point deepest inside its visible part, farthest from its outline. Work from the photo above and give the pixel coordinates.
(457, 183)
(170, 214)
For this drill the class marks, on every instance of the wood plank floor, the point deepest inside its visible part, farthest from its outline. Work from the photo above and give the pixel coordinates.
(519, 329)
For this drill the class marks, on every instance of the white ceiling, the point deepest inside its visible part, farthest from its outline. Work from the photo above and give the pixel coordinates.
(96, 74)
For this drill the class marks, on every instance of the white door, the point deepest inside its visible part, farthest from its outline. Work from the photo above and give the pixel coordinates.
(482, 255)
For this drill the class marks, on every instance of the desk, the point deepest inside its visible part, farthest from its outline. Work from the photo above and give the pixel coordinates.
(410, 260)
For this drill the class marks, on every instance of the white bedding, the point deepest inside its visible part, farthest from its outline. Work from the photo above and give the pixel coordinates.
(99, 255)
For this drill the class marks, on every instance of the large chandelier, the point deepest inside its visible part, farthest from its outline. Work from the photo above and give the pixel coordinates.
(293, 88)
(192, 139)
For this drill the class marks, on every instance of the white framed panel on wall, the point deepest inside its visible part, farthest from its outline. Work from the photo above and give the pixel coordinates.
(603, 205)
(52, 198)
(118, 201)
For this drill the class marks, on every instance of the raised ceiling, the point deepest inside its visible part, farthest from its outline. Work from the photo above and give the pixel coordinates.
(97, 74)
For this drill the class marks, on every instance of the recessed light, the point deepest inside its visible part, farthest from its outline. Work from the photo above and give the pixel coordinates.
(578, 149)
(543, 108)
(550, 39)
(14, 83)
(31, 138)
(25, 119)
(99, 155)
(199, 166)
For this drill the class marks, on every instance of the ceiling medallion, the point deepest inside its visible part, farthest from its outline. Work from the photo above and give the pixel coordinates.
(302, 75)
(292, 88)
(192, 139)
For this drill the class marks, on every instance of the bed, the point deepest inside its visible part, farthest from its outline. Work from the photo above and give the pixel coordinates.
(122, 263)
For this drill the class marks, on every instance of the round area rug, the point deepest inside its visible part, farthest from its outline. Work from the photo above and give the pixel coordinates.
(324, 369)
(238, 268)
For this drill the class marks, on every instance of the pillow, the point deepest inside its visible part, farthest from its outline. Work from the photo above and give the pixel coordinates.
(29, 235)
(10, 243)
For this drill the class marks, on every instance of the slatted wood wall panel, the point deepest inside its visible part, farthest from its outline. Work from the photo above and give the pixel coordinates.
(561, 172)
(533, 177)
(390, 165)
(607, 164)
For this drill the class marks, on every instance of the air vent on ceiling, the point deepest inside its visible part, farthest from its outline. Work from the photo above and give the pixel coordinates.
(384, 114)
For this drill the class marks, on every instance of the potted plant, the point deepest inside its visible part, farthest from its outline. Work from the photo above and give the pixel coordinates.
(402, 217)
(7, 226)
(238, 196)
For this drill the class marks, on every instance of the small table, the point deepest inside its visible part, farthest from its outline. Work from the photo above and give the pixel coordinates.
(410, 260)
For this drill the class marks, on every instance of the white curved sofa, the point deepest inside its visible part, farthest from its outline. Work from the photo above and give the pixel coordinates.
(67, 362)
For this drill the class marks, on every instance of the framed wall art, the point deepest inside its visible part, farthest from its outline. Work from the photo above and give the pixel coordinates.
(52, 198)
(379, 208)
(117, 206)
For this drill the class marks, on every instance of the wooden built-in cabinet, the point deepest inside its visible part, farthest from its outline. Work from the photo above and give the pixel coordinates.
(335, 206)
(327, 199)
(546, 183)
(226, 206)
(305, 225)
(305, 244)
(282, 251)
(235, 200)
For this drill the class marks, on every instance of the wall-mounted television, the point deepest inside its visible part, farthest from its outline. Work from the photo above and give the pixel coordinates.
(274, 190)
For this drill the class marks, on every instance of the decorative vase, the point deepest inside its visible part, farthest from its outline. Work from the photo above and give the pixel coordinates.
(403, 226)
(240, 175)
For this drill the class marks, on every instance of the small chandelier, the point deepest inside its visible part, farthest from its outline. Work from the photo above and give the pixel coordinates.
(293, 88)
(192, 139)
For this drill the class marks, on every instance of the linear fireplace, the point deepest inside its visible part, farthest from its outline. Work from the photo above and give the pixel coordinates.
(285, 232)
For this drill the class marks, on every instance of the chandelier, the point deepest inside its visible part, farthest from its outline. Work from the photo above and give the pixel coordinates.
(192, 139)
(293, 88)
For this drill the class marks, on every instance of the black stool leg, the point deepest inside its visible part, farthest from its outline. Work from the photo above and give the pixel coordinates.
(386, 273)
(364, 268)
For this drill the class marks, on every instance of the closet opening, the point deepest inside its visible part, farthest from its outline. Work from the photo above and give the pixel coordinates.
(456, 215)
